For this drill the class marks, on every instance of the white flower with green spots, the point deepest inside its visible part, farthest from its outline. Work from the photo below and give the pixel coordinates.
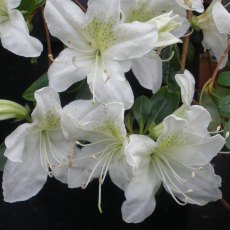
(99, 46)
(148, 69)
(179, 159)
(14, 32)
(214, 23)
(102, 126)
(35, 150)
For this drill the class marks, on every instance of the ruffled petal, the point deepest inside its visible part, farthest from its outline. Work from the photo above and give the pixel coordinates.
(186, 82)
(23, 180)
(140, 201)
(138, 151)
(15, 143)
(15, 37)
(48, 101)
(148, 71)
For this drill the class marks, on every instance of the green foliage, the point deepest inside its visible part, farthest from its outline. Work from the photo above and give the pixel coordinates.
(191, 54)
(207, 102)
(163, 103)
(2, 157)
(150, 112)
(141, 111)
(27, 7)
(224, 107)
(38, 84)
(224, 78)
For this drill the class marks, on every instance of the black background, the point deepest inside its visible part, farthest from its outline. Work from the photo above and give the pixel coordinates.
(56, 207)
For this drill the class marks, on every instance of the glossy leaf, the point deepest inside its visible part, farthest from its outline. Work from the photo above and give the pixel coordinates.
(224, 78)
(38, 84)
(3, 159)
(224, 107)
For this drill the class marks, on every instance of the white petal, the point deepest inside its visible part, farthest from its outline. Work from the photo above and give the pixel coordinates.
(97, 9)
(23, 180)
(15, 143)
(47, 101)
(68, 68)
(217, 42)
(185, 24)
(64, 19)
(120, 172)
(199, 186)
(140, 201)
(198, 120)
(165, 39)
(112, 88)
(15, 37)
(138, 150)
(85, 166)
(13, 4)
(148, 71)
(221, 17)
(186, 82)
(134, 40)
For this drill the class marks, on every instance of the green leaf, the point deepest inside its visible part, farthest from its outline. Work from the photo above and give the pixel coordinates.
(224, 107)
(224, 78)
(191, 54)
(207, 102)
(3, 159)
(38, 84)
(163, 103)
(27, 7)
(141, 110)
(84, 92)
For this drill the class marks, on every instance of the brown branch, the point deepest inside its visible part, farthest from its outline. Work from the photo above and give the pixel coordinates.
(185, 45)
(225, 204)
(49, 47)
(80, 5)
(214, 75)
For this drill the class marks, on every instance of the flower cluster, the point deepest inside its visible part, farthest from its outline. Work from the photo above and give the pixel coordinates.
(88, 139)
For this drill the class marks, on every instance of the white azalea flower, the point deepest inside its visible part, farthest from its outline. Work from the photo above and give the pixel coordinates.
(99, 45)
(148, 69)
(215, 27)
(102, 126)
(194, 5)
(35, 150)
(14, 32)
(179, 159)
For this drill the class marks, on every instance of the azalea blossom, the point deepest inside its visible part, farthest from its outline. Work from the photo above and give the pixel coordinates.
(148, 69)
(214, 23)
(35, 150)
(194, 5)
(102, 126)
(179, 159)
(99, 46)
(14, 32)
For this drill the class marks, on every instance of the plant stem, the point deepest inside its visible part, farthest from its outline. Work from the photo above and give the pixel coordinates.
(225, 204)
(214, 75)
(185, 44)
(80, 5)
(49, 47)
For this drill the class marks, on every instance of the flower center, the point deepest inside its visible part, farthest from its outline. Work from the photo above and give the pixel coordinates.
(100, 33)
(142, 13)
(4, 15)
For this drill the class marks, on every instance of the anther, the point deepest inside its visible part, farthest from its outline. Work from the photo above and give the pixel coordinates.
(193, 174)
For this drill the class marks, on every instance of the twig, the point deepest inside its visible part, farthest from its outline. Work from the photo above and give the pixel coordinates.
(49, 47)
(185, 45)
(214, 75)
(225, 204)
(80, 5)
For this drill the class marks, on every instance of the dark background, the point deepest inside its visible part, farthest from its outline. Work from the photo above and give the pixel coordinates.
(58, 208)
